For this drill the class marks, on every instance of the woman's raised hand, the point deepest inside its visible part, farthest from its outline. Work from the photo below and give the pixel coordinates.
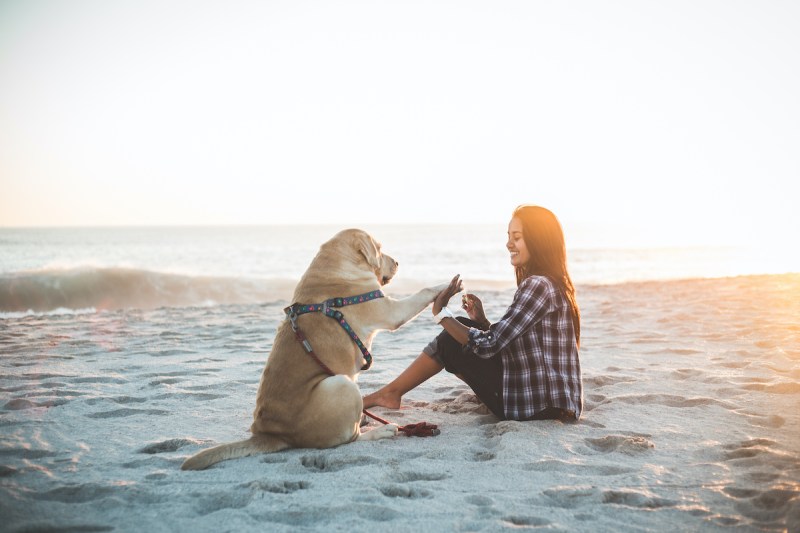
(474, 308)
(456, 286)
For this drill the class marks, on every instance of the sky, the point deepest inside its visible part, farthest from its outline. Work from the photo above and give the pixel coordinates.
(637, 122)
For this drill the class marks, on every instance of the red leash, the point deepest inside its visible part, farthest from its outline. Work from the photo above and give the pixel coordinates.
(420, 429)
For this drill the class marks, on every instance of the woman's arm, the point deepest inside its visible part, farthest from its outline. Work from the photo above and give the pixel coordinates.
(456, 329)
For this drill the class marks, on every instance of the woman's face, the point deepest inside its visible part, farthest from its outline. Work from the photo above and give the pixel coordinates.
(516, 245)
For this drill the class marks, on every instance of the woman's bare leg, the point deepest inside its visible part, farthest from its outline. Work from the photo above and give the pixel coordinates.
(423, 367)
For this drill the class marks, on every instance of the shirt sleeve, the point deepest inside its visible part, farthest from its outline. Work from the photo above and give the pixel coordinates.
(532, 301)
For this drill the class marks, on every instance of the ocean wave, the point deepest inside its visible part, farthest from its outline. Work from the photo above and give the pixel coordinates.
(108, 288)
(90, 289)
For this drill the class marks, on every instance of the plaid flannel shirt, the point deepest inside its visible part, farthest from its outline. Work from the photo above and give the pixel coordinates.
(536, 342)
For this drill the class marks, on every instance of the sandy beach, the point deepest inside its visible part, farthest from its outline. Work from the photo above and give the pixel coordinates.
(170, 170)
(691, 423)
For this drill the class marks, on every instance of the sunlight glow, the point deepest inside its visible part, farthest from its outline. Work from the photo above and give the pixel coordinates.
(648, 124)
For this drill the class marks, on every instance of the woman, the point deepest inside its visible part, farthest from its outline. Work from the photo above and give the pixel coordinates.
(525, 366)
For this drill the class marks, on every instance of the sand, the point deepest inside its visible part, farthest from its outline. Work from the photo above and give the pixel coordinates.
(691, 423)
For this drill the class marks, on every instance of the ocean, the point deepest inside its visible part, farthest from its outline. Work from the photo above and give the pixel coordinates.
(62, 270)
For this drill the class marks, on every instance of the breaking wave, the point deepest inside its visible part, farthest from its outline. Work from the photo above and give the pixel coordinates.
(107, 288)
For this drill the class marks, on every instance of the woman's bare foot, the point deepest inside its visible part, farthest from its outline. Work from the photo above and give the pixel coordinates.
(382, 398)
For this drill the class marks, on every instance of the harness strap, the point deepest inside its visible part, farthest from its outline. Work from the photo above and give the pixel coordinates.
(328, 308)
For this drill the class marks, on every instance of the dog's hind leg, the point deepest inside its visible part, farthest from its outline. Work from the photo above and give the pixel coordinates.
(332, 414)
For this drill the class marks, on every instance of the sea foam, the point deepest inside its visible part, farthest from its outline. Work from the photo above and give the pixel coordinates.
(99, 288)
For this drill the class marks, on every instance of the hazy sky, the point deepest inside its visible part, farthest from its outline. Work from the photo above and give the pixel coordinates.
(666, 122)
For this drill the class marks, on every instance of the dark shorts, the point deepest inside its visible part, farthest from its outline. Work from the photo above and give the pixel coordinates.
(484, 376)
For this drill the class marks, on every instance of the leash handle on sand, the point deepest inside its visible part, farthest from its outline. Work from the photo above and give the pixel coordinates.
(419, 429)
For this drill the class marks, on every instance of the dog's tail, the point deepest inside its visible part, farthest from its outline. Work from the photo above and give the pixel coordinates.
(243, 448)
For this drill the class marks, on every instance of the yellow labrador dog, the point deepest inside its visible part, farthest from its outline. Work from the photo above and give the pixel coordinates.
(299, 405)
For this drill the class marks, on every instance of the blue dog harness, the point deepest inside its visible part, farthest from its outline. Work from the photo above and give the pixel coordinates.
(328, 307)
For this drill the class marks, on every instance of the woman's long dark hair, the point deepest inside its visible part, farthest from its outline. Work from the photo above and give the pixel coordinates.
(544, 239)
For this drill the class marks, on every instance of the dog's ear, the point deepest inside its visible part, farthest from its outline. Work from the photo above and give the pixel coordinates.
(370, 250)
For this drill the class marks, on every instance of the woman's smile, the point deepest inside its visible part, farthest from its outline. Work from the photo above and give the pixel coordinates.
(518, 251)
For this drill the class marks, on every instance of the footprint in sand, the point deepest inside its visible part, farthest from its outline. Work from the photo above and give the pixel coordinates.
(748, 448)
(211, 360)
(76, 493)
(686, 373)
(479, 501)
(279, 487)
(20, 404)
(310, 516)
(785, 387)
(165, 381)
(25, 453)
(322, 463)
(42, 377)
(598, 382)
(119, 399)
(207, 503)
(462, 403)
(570, 497)
(759, 453)
(99, 379)
(671, 400)
(632, 498)
(407, 477)
(165, 374)
(564, 467)
(771, 421)
(403, 491)
(592, 401)
(275, 458)
(201, 387)
(171, 352)
(503, 427)
(515, 521)
(771, 464)
(119, 413)
(202, 396)
(156, 461)
(767, 506)
(482, 456)
(77, 528)
(627, 444)
(169, 445)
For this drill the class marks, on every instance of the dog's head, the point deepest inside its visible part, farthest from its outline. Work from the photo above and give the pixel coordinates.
(368, 251)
